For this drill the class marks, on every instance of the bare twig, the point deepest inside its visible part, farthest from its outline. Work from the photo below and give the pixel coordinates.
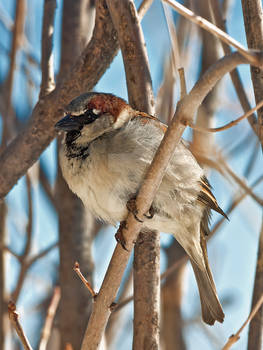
(24, 256)
(13, 316)
(47, 68)
(76, 268)
(3, 213)
(45, 334)
(235, 77)
(182, 83)
(18, 30)
(41, 254)
(255, 58)
(147, 248)
(252, 13)
(131, 41)
(228, 125)
(143, 8)
(235, 337)
(255, 328)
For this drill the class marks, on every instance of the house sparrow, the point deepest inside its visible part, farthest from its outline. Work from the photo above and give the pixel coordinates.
(105, 154)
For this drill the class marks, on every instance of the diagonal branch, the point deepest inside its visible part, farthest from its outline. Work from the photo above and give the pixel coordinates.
(254, 57)
(235, 77)
(13, 316)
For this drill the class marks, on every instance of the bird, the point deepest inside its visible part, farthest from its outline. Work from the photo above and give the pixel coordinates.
(107, 149)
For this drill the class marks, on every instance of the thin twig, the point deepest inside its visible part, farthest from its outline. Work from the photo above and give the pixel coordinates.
(143, 8)
(41, 254)
(234, 74)
(76, 268)
(29, 236)
(182, 83)
(235, 337)
(228, 125)
(47, 67)
(13, 316)
(51, 312)
(18, 30)
(255, 58)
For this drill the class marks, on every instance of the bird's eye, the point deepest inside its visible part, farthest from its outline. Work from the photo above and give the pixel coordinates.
(90, 116)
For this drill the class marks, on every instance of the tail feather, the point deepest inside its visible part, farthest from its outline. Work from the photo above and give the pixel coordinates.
(211, 308)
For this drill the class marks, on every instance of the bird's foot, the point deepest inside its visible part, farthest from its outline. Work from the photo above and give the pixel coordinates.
(151, 213)
(119, 235)
(132, 207)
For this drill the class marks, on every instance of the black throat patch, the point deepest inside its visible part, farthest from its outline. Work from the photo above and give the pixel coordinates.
(74, 151)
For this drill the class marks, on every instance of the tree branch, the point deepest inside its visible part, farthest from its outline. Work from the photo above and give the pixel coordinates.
(13, 316)
(147, 248)
(47, 68)
(235, 77)
(254, 57)
(45, 334)
(235, 337)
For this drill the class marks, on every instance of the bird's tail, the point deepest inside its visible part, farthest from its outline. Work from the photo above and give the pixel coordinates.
(211, 308)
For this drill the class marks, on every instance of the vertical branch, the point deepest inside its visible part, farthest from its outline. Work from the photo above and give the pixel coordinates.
(203, 143)
(75, 225)
(24, 257)
(147, 248)
(18, 30)
(2, 273)
(139, 83)
(47, 67)
(256, 325)
(252, 12)
(172, 292)
(234, 74)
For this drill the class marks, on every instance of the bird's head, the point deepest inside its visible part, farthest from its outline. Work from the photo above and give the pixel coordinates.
(92, 114)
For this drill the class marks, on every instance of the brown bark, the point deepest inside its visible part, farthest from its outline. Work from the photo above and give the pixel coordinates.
(253, 19)
(172, 322)
(146, 324)
(2, 273)
(75, 227)
(147, 249)
(75, 245)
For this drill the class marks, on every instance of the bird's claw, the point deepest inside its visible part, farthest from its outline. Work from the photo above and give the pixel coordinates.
(151, 213)
(119, 235)
(132, 207)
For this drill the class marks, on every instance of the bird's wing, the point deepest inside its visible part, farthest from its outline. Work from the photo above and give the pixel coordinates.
(206, 197)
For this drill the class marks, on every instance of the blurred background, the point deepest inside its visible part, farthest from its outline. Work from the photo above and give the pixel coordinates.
(44, 228)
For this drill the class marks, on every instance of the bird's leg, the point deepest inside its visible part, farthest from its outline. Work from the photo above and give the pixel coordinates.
(119, 235)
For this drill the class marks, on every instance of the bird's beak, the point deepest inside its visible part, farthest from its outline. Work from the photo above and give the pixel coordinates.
(68, 123)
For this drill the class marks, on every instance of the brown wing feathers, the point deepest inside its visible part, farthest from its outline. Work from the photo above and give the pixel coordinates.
(206, 197)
